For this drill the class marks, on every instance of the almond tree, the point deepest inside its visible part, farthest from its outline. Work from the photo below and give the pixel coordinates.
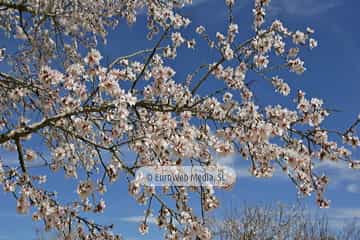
(280, 222)
(57, 90)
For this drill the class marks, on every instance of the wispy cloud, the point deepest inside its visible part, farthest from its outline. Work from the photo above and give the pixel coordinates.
(340, 175)
(138, 219)
(243, 172)
(228, 161)
(303, 7)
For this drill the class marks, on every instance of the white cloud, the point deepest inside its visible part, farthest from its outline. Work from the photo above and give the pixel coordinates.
(339, 173)
(303, 7)
(330, 164)
(243, 172)
(228, 161)
(138, 219)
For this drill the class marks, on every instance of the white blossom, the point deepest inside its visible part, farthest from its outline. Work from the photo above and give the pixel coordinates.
(93, 58)
(313, 43)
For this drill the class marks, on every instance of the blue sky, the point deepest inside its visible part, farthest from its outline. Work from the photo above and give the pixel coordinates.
(332, 73)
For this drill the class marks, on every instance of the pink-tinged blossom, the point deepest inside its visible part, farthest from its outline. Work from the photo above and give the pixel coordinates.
(50, 76)
(297, 66)
(84, 189)
(200, 29)
(228, 52)
(280, 86)
(23, 204)
(299, 37)
(93, 58)
(261, 61)
(177, 39)
(30, 155)
(143, 228)
(313, 43)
